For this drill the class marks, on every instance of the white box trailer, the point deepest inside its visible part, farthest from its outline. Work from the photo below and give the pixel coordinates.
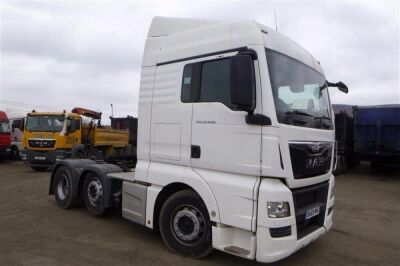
(235, 144)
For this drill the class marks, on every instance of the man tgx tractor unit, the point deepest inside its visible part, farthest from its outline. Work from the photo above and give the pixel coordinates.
(49, 137)
(235, 144)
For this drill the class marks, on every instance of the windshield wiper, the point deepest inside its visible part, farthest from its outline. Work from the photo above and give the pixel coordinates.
(297, 112)
(323, 117)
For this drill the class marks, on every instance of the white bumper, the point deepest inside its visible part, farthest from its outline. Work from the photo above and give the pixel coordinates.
(260, 245)
(271, 249)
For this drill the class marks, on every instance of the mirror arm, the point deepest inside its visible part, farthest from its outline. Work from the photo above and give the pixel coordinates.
(340, 85)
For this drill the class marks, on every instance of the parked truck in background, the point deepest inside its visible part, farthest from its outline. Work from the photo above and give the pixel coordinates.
(5, 135)
(129, 123)
(377, 134)
(52, 136)
(235, 144)
(347, 158)
(17, 134)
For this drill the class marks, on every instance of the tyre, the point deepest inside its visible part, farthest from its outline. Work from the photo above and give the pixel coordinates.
(185, 225)
(93, 194)
(15, 153)
(62, 187)
(39, 168)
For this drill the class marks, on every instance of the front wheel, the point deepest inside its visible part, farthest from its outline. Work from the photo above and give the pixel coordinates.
(185, 225)
(15, 153)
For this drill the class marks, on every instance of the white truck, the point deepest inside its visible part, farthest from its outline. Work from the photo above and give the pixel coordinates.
(235, 144)
(17, 125)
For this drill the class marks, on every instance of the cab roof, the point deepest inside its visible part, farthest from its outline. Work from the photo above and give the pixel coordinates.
(52, 113)
(3, 115)
(172, 39)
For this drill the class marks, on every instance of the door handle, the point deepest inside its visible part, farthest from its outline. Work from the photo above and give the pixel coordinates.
(195, 151)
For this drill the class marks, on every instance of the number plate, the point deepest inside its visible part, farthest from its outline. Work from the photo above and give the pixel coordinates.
(40, 158)
(312, 212)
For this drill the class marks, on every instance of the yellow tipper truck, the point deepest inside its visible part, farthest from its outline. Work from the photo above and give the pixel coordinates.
(52, 136)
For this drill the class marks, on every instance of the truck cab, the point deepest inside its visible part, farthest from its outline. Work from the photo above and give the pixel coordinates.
(235, 143)
(5, 135)
(48, 138)
(17, 125)
(52, 136)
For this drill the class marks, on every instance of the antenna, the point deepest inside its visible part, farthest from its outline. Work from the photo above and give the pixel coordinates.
(276, 24)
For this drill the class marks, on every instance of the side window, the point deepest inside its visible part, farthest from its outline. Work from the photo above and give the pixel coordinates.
(187, 84)
(215, 82)
(207, 82)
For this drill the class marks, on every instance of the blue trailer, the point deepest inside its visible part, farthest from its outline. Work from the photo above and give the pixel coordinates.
(377, 134)
(344, 132)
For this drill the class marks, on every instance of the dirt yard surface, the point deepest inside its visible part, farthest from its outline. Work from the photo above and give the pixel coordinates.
(34, 231)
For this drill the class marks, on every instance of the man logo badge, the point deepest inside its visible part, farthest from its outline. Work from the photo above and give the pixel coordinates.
(315, 146)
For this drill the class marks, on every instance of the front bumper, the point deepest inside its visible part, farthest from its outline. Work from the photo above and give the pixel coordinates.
(270, 249)
(273, 249)
(43, 158)
(278, 238)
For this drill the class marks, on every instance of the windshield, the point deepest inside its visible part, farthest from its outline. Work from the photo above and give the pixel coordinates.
(300, 95)
(45, 123)
(4, 127)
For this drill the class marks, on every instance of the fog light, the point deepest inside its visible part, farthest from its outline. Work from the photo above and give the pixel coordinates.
(278, 209)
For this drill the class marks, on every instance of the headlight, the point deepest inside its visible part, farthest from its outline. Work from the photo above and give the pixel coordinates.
(278, 209)
(332, 192)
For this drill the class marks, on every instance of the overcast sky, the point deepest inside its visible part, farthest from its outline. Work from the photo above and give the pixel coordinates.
(62, 54)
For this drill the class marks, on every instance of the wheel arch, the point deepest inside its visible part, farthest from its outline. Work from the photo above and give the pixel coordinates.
(204, 194)
(76, 148)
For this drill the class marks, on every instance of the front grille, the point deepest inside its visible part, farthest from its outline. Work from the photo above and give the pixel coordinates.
(41, 143)
(310, 158)
(305, 199)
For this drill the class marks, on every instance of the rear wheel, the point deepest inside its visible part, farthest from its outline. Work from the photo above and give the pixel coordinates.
(93, 193)
(185, 224)
(62, 187)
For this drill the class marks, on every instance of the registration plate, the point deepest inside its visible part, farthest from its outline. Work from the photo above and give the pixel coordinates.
(40, 158)
(312, 212)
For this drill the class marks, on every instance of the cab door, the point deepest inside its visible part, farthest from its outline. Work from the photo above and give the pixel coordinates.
(225, 150)
(221, 138)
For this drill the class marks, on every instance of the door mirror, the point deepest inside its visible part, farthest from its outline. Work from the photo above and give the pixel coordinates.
(74, 125)
(340, 85)
(243, 84)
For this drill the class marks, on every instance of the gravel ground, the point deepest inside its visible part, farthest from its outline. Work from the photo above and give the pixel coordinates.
(34, 231)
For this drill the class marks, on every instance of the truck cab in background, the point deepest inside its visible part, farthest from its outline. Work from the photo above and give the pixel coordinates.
(17, 125)
(52, 136)
(235, 144)
(5, 135)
